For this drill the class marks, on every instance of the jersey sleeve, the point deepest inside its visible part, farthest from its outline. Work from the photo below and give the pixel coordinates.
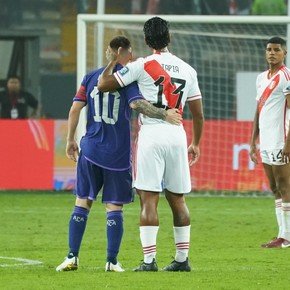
(194, 91)
(130, 73)
(81, 95)
(258, 80)
(286, 90)
(133, 93)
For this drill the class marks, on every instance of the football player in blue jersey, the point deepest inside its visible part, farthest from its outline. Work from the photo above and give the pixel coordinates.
(104, 159)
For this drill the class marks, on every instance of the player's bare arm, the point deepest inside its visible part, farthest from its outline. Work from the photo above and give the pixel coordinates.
(254, 137)
(196, 110)
(286, 149)
(107, 82)
(171, 116)
(72, 150)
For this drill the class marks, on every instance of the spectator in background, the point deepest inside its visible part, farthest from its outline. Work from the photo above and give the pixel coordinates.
(14, 102)
(165, 7)
(82, 6)
(213, 7)
(179, 7)
(269, 7)
(243, 7)
(145, 7)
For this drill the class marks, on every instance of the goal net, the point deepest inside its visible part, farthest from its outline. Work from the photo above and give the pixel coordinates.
(227, 53)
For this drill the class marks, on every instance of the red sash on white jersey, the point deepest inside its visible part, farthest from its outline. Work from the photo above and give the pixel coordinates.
(268, 91)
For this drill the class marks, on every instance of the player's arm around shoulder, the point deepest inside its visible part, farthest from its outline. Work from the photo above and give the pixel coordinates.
(171, 116)
(107, 82)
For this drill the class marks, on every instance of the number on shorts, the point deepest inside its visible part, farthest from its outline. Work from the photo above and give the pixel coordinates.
(278, 157)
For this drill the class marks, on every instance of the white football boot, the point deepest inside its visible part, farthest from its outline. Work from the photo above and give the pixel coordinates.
(110, 267)
(69, 264)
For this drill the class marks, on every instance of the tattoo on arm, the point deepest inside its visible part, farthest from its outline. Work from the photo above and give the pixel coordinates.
(144, 107)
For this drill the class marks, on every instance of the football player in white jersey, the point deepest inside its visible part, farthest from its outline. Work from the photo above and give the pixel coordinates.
(162, 154)
(271, 125)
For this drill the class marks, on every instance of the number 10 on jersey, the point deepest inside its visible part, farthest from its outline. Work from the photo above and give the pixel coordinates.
(106, 106)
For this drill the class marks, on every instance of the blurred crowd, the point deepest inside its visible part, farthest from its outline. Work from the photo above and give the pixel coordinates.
(12, 10)
(210, 7)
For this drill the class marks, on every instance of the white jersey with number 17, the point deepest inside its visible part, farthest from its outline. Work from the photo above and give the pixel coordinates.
(164, 80)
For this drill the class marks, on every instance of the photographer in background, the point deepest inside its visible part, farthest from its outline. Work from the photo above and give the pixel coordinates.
(14, 102)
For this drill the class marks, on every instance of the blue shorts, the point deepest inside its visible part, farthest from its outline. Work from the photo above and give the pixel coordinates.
(117, 185)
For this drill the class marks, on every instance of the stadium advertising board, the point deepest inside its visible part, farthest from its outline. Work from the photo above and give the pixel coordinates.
(26, 154)
(225, 163)
(32, 156)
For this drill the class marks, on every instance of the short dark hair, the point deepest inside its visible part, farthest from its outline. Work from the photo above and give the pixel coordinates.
(156, 31)
(13, 77)
(120, 41)
(277, 40)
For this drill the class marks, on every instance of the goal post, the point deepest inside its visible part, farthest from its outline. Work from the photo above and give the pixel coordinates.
(227, 53)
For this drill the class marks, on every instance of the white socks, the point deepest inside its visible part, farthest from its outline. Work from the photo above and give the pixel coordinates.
(278, 210)
(148, 236)
(286, 220)
(181, 238)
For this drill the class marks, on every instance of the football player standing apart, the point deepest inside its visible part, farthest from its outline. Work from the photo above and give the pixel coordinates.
(271, 125)
(104, 160)
(162, 154)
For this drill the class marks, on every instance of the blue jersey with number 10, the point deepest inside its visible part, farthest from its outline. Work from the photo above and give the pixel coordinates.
(107, 142)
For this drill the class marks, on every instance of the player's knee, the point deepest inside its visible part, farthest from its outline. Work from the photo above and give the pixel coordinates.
(274, 189)
(113, 207)
(182, 220)
(283, 186)
(85, 203)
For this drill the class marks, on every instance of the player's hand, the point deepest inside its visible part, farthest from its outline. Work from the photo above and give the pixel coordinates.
(254, 154)
(111, 55)
(173, 117)
(194, 152)
(286, 152)
(72, 150)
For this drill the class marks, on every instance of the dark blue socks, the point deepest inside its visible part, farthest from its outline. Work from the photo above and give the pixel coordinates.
(77, 226)
(114, 234)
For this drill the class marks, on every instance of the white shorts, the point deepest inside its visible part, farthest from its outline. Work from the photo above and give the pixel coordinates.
(161, 159)
(272, 157)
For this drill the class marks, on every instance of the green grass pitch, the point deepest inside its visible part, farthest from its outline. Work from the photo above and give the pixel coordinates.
(225, 248)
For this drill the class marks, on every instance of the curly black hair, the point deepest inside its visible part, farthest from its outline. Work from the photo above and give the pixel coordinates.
(156, 31)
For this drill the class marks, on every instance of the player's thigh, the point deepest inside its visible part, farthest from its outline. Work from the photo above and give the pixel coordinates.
(270, 175)
(89, 179)
(177, 174)
(282, 176)
(117, 187)
(150, 160)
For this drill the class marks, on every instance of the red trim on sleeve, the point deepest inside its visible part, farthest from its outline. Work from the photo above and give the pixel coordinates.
(81, 94)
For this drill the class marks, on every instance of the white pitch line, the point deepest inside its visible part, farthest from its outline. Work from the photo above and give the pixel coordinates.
(24, 262)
